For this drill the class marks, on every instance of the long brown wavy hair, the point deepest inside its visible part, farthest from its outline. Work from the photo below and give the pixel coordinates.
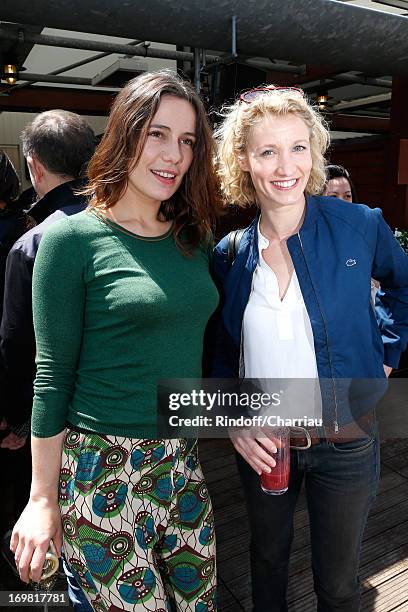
(195, 206)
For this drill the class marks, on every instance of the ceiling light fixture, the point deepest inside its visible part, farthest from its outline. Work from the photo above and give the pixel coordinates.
(322, 100)
(10, 73)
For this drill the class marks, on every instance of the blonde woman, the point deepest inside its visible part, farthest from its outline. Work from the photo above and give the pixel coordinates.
(296, 304)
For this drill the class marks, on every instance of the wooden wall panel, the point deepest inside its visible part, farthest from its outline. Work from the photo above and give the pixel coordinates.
(367, 163)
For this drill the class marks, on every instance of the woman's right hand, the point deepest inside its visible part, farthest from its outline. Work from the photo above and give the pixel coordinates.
(256, 448)
(39, 523)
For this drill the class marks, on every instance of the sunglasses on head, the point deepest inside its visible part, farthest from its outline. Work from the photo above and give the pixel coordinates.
(250, 95)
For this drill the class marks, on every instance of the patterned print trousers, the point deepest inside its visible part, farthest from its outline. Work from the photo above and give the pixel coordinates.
(138, 524)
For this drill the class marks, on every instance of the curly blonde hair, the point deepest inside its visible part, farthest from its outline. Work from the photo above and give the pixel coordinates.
(236, 184)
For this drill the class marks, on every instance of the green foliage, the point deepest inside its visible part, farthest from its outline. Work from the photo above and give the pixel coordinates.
(402, 237)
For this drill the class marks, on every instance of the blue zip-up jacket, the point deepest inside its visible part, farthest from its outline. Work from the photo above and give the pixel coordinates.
(339, 247)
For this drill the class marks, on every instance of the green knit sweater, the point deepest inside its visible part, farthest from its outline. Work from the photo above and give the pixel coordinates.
(113, 314)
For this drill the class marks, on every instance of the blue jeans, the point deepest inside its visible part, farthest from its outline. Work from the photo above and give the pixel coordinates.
(76, 595)
(341, 482)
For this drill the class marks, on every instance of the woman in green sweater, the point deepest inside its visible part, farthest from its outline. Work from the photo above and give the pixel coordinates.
(121, 298)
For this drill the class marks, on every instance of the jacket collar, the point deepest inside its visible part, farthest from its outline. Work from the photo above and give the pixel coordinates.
(311, 213)
(308, 221)
(251, 235)
(57, 198)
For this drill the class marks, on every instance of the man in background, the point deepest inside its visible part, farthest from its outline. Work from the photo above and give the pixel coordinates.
(57, 146)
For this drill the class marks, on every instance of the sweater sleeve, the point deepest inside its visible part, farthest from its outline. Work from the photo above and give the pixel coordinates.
(58, 309)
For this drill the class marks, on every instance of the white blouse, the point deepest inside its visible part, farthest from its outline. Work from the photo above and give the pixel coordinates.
(277, 334)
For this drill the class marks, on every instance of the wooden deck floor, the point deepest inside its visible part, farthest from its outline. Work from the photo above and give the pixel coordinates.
(384, 557)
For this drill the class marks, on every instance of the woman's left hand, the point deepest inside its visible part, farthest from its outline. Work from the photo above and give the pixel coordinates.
(256, 447)
(39, 523)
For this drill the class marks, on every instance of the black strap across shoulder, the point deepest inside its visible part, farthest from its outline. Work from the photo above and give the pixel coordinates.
(234, 239)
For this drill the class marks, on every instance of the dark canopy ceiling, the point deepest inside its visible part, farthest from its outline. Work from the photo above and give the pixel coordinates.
(303, 31)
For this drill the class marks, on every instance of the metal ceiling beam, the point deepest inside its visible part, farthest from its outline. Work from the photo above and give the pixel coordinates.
(402, 4)
(330, 85)
(140, 50)
(84, 62)
(89, 60)
(343, 79)
(32, 77)
(315, 73)
(298, 30)
(363, 80)
(367, 112)
(362, 101)
(93, 45)
(272, 67)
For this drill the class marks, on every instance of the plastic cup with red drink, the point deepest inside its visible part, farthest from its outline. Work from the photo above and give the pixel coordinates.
(277, 481)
